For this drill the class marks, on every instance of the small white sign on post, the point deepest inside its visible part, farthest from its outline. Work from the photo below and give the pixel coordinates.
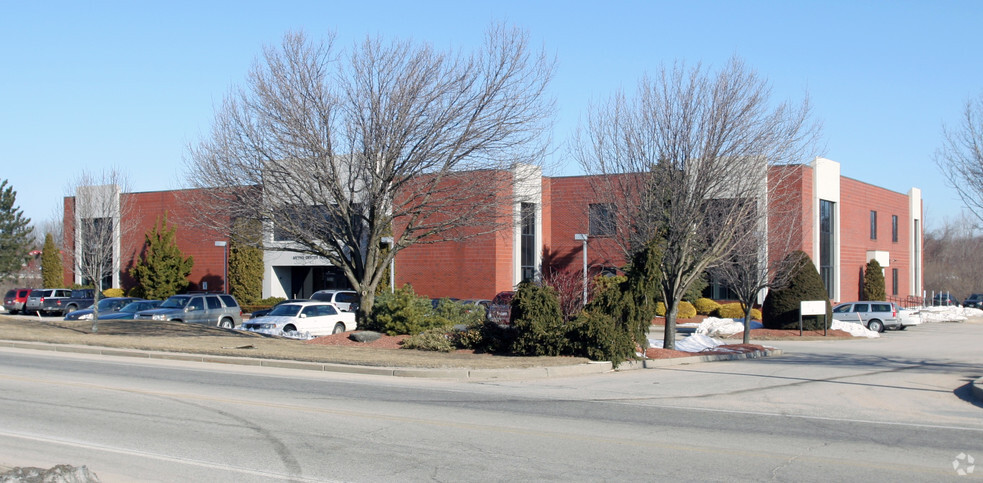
(812, 307)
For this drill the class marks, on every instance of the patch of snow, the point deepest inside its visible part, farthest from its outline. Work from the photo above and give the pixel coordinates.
(855, 329)
(693, 343)
(279, 333)
(714, 327)
(953, 313)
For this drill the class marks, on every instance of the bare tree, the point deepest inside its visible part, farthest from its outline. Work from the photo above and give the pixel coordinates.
(346, 149)
(953, 251)
(687, 160)
(100, 221)
(758, 260)
(961, 157)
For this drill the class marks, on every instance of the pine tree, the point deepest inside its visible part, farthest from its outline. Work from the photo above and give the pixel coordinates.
(163, 270)
(781, 307)
(15, 233)
(245, 272)
(51, 268)
(874, 282)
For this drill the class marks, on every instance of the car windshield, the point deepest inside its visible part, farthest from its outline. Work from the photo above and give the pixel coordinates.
(107, 304)
(286, 310)
(175, 303)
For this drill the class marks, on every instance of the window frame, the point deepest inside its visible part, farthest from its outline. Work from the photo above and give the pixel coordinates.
(601, 219)
(873, 224)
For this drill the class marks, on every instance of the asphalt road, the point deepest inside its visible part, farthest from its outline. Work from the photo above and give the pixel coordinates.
(892, 409)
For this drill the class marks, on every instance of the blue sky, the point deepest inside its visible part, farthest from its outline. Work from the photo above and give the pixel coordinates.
(97, 85)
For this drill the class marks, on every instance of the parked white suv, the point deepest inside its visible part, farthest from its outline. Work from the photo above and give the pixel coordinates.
(345, 300)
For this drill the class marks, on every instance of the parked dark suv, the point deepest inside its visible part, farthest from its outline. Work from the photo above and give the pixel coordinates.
(219, 310)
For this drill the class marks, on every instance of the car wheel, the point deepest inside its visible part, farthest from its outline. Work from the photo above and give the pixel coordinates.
(289, 328)
(70, 308)
(226, 324)
(338, 328)
(875, 325)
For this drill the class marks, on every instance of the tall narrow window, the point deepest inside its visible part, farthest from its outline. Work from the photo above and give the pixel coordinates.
(826, 224)
(873, 225)
(528, 241)
(601, 219)
(894, 228)
(894, 281)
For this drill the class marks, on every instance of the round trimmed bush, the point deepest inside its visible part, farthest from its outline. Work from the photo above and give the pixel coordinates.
(733, 311)
(705, 306)
(686, 310)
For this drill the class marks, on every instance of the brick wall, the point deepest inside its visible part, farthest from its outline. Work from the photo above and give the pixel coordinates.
(857, 200)
(142, 211)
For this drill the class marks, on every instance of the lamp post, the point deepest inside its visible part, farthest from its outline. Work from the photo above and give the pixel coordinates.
(388, 240)
(583, 238)
(225, 264)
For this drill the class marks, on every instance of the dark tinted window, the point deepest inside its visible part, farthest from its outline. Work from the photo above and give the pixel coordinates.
(346, 298)
(860, 308)
(842, 308)
(229, 300)
(196, 304)
(10, 294)
(880, 307)
(321, 297)
(213, 302)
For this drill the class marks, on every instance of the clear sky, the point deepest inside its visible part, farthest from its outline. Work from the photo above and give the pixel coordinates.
(96, 85)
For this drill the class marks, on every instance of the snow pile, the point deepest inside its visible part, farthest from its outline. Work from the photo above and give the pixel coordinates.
(714, 327)
(693, 343)
(951, 313)
(279, 333)
(855, 329)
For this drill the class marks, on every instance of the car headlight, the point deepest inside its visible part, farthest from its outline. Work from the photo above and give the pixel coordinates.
(85, 317)
(262, 326)
(159, 317)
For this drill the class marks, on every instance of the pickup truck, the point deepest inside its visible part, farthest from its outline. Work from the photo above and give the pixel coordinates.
(58, 301)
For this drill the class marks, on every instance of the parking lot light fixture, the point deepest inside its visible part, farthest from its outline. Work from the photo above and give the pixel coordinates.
(583, 238)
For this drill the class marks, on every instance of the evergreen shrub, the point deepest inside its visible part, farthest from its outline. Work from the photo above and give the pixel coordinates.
(538, 322)
(598, 336)
(435, 340)
(733, 311)
(705, 306)
(781, 307)
(405, 312)
(874, 282)
(686, 310)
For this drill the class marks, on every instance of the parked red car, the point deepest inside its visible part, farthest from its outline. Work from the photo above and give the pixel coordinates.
(15, 299)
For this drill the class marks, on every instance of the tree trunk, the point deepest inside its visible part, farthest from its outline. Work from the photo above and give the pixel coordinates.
(669, 336)
(747, 324)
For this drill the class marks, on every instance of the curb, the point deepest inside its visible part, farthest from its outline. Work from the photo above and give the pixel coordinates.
(679, 361)
(464, 374)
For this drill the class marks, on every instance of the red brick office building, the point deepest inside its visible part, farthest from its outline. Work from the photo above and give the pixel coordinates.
(843, 223)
